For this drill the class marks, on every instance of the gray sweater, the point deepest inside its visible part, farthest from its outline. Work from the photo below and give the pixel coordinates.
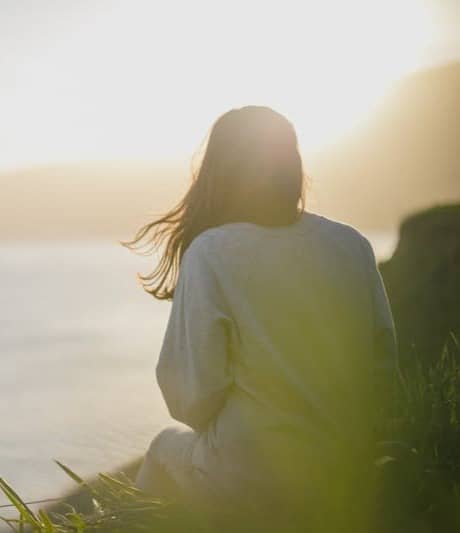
(275, 349)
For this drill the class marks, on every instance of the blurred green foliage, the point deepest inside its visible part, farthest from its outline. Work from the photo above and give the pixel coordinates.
(417, 459)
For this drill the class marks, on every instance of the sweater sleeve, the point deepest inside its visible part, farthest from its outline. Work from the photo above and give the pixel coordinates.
(193, 369)
(384, 332)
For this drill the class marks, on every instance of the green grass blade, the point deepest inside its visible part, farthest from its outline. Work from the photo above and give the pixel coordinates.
(119, 485)
(75, 477)
(71, 473)
(47, 525)
(9, 522)
(20, 505)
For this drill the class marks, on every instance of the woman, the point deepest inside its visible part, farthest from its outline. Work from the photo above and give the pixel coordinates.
(279, 331)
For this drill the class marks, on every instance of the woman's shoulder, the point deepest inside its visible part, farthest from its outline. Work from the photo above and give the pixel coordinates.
(337, 234)
(233, 235)
(337, 227)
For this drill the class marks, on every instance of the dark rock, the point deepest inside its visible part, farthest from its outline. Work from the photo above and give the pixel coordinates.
(422, 279)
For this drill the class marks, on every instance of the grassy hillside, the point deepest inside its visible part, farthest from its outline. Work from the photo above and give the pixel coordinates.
(404, 157)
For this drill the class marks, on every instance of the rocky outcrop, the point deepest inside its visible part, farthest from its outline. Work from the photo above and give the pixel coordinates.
(423, 282)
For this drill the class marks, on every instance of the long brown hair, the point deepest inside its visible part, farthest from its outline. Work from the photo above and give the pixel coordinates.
(251, 171)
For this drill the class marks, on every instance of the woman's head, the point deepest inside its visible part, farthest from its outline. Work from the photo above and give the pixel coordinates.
(251, 171)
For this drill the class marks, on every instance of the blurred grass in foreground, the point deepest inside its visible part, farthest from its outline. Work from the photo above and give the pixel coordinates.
(417, 458)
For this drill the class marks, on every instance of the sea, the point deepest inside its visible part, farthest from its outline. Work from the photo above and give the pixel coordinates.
(79, 340)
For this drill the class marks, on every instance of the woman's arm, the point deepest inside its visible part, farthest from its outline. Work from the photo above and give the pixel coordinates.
(193, 370)
(384, 333)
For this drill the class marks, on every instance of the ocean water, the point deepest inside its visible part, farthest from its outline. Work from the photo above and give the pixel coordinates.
(79, 341)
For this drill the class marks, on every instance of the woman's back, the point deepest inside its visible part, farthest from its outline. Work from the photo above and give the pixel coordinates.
(272, 346)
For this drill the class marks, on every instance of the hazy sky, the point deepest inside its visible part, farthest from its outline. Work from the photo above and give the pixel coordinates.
(114, 79)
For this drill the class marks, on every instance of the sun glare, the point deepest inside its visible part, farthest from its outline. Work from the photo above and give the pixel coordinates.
(147, 82)
(339, 64)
